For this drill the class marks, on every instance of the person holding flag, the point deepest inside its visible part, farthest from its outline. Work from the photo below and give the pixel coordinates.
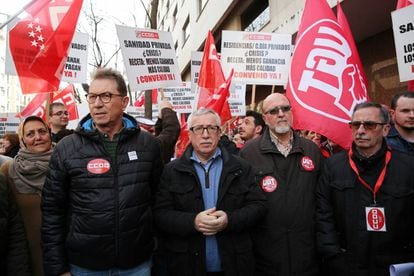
(365, 201)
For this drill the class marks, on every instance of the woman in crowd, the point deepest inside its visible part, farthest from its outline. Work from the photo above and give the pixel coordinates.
(26, 174)
(11, 144)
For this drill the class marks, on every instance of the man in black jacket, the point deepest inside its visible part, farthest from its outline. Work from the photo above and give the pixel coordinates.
(206, 206)
(96, 202)
(287, 169)
(365, 201)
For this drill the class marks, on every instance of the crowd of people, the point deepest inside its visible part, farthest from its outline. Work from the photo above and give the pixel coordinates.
(108, 198)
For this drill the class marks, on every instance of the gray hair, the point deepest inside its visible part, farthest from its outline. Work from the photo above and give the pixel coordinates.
(385, 115)
(202, 111)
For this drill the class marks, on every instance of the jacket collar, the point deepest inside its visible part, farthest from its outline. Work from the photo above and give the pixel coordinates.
(267, 146)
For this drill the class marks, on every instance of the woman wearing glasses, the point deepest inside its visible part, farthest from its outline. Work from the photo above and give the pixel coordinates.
(25, 175)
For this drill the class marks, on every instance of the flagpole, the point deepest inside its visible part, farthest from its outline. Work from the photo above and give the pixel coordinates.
(17, 14)
(273, 89)
(252, 104)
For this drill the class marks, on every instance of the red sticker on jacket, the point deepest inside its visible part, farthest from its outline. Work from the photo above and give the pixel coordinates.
(269, 184)
(98, 166)
(307, 163)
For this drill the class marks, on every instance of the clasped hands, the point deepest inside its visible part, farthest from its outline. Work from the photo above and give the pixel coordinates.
(210, 221)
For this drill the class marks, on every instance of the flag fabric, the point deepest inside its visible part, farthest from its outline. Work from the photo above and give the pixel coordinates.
(402, 4)
(37, 106)
(67, 97)
(213, 88)
(325, 82)
(183, 140)
(39, 43)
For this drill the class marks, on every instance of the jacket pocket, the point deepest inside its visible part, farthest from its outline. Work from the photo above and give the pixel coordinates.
(183, 196)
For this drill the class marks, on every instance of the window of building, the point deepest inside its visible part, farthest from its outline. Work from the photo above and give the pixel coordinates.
(186, 29)
(256, 16)
(201, 5)
(176, 46)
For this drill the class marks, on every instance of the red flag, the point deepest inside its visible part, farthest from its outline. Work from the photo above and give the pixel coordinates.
(402, 4)
(141, 99)
(37, 106)
(213, 89)
(325, 82)
(183, 140)
(67, 97)
(39, 43)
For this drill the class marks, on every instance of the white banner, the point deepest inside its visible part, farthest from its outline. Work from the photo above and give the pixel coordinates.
(149, 58)
(196, 58)
(9, 123)
(237, 99)
(403, 27)
(257, 58)
(181, 97)
(136, 111)
(76, 67)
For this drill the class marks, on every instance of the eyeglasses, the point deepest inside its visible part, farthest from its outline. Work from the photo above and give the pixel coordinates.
(198, 130)
(60, 113)
(368, 125)
(275, 110)
(104, 97)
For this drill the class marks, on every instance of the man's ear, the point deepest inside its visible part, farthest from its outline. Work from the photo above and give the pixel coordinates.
(258, 129)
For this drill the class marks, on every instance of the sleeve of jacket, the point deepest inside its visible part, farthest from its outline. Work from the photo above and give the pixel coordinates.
(54, 215)
(254, 207)
(167, 131)
(157, 168)
(18, 260)
(166, 217)
(327, 240)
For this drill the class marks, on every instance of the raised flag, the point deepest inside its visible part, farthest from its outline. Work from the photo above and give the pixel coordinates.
(183, 140)
(325, 82)
(402, 4)
(39, 43)
(67, 97)
(37, 106)
(212, 85)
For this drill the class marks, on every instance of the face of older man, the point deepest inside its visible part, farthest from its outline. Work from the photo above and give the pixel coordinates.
(368, 130)
(277, 113)
(204, 135)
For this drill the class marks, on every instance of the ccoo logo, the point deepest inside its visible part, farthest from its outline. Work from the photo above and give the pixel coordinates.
(98, 166)
(326, 68)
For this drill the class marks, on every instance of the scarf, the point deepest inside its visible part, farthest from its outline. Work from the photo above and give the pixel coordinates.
(28, 171)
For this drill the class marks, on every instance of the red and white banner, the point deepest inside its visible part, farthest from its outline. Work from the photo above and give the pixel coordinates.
(67, 97)
(39, 43)
(213, 88)
(325, 82)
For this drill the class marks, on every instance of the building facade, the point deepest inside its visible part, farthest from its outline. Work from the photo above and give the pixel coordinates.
(370, 22)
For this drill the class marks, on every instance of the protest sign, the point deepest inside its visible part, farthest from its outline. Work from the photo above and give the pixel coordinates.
(75, 70)
(149, 58)
(257, 58)
(237, 99)
(196, 58)
(9, 123)
(181, 97)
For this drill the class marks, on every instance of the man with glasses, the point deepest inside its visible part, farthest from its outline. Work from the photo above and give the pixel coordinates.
(365, 201)
(287, 169)
(206, 205)
(97, 197)
(401, 135)
(58, 121)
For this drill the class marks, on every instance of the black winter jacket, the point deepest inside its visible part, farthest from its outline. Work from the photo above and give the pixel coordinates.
(284, 242)
(342, 236)
(180, 200)
(14, 250)
(97, 210)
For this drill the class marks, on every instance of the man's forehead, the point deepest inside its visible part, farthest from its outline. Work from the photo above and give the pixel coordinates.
(405, 102)
(368, 112)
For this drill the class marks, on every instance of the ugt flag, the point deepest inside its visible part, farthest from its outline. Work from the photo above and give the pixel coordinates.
(325, 81)
(39, 43)
(213, 89)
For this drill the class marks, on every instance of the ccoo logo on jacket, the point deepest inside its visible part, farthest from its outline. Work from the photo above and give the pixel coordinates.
(98, 166)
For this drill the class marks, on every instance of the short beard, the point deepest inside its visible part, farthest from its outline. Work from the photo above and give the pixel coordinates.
(407, 129)
(282, 129)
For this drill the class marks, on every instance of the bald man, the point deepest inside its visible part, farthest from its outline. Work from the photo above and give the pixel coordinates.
(287, 170)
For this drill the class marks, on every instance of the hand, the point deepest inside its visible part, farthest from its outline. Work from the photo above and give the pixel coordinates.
(210, 221)
(161, 105)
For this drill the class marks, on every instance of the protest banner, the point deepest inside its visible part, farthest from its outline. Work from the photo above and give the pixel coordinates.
(149, 58)
(9, 123)
(196, 58)
(136, 111)
(237, 99)
(257, 58)
(181, 97)
(75, 70)
(403, 28)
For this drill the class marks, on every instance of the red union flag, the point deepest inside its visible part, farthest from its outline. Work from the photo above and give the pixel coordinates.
(37, 107)
(325, 82)
(39, 43)
(183, 140)
(213, 89)
(67, 97)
